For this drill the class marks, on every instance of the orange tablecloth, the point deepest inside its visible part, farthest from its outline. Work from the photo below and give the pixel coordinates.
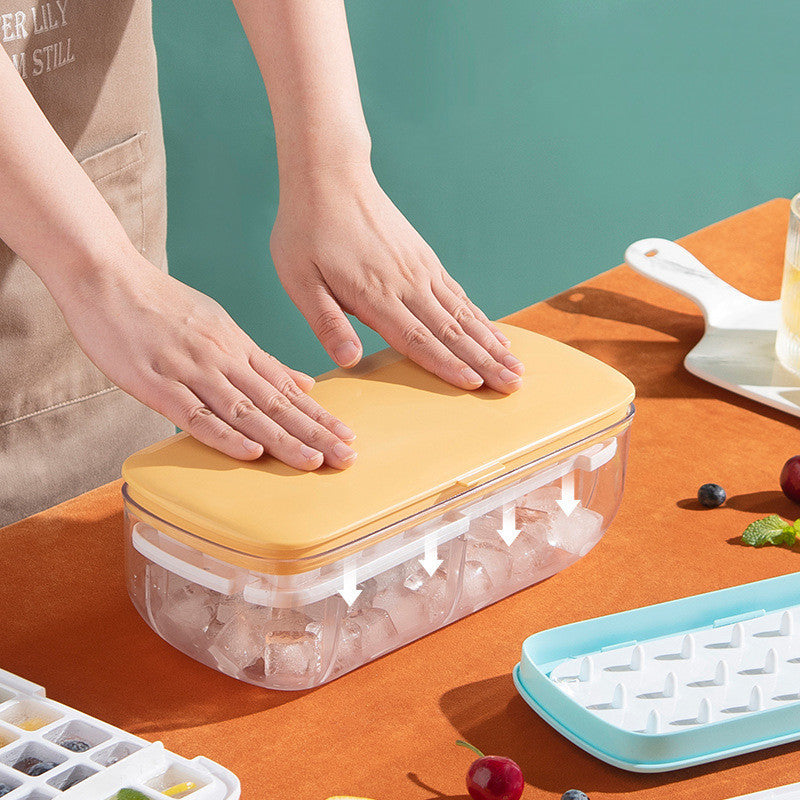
(386, 731)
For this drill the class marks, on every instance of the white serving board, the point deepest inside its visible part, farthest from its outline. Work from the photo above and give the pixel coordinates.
(737, 351)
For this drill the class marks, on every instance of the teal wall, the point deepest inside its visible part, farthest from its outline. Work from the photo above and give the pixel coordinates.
(528, 141)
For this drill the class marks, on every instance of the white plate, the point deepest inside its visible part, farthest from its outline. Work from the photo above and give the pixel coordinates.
(737, 351)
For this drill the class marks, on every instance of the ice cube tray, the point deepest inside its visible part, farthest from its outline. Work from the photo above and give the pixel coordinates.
(288, 579)
(789, 792)
(298, 631)
(676, 684)
(33, 727)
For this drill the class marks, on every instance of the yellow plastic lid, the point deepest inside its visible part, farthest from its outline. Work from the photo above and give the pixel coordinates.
(419, 442)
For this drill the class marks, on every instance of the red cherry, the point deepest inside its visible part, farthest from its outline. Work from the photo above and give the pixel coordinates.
(494, 777)
(790, 479)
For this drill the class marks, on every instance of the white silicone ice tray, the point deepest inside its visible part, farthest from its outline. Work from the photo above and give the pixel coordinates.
(114, 760)
(691, 679)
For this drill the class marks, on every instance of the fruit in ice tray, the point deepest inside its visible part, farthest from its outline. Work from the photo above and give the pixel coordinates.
(34, 766)
(75, 745)
(711, 495)
(180, 789)
(493, 777)
(33, 724)
(790, 479)
(130, 794)
(5, 789)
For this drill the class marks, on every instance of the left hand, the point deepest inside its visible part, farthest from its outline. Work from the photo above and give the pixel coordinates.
(340, 245)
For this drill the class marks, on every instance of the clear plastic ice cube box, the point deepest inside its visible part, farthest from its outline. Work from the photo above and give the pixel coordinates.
(288, 579)
(35, 729)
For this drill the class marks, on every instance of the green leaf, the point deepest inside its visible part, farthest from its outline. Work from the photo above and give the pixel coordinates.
(769, 530)
(130, 794)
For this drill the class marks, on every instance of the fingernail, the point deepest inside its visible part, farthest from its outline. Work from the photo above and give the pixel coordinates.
(307, 378)
(309, 452)
(343, 452)
(346, 354)
(343, 432)
(507, 376)
(514, 364)
(252, 447)
(472, 377)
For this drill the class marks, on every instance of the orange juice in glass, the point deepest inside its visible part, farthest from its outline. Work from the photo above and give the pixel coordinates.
(787, 344)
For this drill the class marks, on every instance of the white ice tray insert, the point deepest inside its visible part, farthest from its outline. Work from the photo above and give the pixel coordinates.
(112, 761)
(736, 667)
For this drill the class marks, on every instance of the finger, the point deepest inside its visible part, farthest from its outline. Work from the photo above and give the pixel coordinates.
(278, 403)
(234, 407)
(463, 314)
(458, 291)
(409, 336)
(441, 323)
(275, 372)
(183, 408)
(305, 382)
(331, 326)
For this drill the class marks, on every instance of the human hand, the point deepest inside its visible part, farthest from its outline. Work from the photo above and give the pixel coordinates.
(340, 245)
(178, 351)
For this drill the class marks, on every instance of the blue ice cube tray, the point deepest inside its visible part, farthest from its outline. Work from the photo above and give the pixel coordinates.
(676, 684)
(114, 759)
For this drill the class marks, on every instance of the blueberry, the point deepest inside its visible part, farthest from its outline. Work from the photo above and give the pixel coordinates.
(574, 794)
(5, 789)
(76, 745)
(711, 495)
(26, 764)
(41, 768)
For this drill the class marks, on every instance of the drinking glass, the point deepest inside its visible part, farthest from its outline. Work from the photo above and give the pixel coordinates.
(787, 343)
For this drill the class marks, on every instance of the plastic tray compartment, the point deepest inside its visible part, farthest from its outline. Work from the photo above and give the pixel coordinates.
(789, 792)
(676, 684)
(90, 759)
(531, 489)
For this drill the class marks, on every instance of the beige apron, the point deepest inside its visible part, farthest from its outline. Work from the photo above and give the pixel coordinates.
(64, 427)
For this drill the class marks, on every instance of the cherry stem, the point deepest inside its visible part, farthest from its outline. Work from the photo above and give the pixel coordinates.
(469, 746)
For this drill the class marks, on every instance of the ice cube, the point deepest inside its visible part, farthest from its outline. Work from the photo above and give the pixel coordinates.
(438, 599)
(238, 645)
(348, 653)
(293, 653)
(407, 608)
(576, 533)
(541, 499)
(531, 553)
(184, 618)
(228, 608)
(365, 634)
(495, 557)
(485, 528)
(377, 631)
(476, 587)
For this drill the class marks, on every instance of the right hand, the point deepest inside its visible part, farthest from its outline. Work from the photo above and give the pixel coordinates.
(179, 352)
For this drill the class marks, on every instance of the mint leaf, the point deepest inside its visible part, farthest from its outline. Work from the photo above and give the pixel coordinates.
(769, 530)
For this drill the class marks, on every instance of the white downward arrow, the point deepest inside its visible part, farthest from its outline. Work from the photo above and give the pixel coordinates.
(568, 502)
(431, 562)
(508, 531)
(348, 590)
